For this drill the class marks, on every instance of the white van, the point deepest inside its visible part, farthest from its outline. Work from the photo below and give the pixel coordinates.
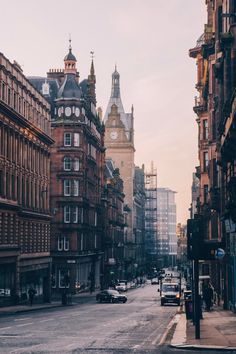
(170, 293)
(122, 286)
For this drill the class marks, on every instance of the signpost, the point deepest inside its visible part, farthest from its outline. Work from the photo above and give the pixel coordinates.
(219, 253)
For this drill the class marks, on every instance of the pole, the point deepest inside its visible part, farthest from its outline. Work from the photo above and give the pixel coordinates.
(192, 287)
(196, 300)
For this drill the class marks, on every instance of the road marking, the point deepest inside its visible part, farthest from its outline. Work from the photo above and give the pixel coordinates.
(24, 324)
(22, 319)
(174, 320)
(49, 319)
(64, 317)
(5, 328)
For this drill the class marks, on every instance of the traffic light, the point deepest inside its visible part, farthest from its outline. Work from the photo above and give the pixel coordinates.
(194, 239)
(197, 246)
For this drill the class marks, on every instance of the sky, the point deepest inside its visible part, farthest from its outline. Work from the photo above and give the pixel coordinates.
(149, 41)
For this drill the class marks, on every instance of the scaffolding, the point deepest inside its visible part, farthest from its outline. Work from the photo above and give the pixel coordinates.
(151, 214)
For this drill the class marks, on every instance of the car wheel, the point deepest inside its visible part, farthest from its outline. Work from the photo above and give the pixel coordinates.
(113, 301)
(124, 301)
(100, 300)
(162, 303)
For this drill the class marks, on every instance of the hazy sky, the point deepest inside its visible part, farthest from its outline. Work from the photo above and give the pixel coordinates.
(149, 41)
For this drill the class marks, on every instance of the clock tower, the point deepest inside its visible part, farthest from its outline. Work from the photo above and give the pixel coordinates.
(119, 143)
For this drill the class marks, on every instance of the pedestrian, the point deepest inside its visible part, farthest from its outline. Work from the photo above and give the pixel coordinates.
(31, 293)
(208, 296)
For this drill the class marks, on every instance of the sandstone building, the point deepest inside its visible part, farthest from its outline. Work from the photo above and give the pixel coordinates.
(119, 143)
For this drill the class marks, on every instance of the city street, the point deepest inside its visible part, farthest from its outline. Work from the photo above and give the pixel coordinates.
(135, 327)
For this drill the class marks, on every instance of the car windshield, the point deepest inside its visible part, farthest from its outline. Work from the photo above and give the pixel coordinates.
(170, 287)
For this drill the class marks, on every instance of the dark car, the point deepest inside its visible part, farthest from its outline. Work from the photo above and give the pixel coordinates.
(110, 296)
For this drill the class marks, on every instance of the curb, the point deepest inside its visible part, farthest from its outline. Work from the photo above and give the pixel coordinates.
(201, 347)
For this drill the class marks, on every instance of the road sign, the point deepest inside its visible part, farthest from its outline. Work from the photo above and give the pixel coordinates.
(219, 253)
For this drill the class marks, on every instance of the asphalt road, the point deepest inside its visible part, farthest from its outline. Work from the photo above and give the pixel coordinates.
(135, 327)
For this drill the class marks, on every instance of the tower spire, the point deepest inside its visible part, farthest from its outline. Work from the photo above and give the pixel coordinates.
(115, 88)
(92, 81)
(70, 48)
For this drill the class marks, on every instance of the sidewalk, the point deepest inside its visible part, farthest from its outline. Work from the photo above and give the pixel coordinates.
(218, 331)
(76, 300)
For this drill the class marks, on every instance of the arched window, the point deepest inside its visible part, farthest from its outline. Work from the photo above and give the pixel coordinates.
(67, 163)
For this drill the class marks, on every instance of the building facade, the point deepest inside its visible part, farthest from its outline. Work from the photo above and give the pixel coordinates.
(114, 224)
(139, 221)
(166, 226)
(25, 141)
(151, 240)
(77, 178)
(215, 109)
(119, 143)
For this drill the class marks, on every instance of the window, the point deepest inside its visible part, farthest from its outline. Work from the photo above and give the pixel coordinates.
(67, 163)
(205, 193)
(9, 96)
(64, 278)
(82, 242)
(76, 187)
(67, 139)
(60, 243)
(205, 129)
(95, 241)
(71, 214)
(95, 218)
(67, 214)
(3, 92)
(76, 139)
(76, 164)
(67, 187)
(75, 215)
(205, 161)
(63, 243)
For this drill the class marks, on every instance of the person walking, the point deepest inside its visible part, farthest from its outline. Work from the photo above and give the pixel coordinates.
(208, 296)
(31, 293)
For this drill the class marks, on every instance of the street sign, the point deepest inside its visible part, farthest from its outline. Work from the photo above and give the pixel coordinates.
(219, 253)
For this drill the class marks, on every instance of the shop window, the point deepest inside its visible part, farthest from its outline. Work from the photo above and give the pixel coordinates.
(64, 278)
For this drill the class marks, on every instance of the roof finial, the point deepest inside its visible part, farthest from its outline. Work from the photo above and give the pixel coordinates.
(92, 54)
(70, 42)
(115, 66)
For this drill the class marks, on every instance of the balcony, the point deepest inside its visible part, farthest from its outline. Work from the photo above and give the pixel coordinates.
(199, 105)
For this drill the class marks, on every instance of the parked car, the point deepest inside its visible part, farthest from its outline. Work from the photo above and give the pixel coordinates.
(111, 296)
(154, 281)
(122, 286)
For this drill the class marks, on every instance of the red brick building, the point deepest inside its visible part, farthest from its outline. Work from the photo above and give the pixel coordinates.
(77, 178)
(25, 140)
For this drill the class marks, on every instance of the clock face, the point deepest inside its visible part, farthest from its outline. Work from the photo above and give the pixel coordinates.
(68, 111)
(114, 135)
(77, 112)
